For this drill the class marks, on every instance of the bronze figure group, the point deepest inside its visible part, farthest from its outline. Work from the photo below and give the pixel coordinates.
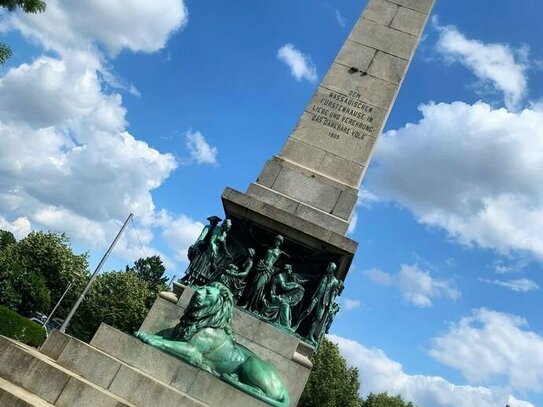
(269, 291)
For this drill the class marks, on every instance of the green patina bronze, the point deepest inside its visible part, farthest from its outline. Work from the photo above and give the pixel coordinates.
(286, 292)
(204, 338)
(263, 284)
(323, 304)
(256, 292)
(207, 252)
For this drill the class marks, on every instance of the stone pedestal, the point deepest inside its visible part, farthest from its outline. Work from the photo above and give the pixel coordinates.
(287, 353)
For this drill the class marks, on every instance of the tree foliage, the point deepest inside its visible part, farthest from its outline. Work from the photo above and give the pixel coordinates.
(35, 271)
(28, 6)
(50, 256)
(151, 271)
(384, 400)
(117, 298)
(17, 327)
(331, 382)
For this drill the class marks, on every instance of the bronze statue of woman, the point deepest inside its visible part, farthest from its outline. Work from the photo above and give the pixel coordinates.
(254, 295)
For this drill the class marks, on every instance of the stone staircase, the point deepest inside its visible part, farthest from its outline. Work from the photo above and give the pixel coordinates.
(68, 372)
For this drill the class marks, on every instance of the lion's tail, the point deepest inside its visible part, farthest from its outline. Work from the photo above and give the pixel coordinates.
(284, 400)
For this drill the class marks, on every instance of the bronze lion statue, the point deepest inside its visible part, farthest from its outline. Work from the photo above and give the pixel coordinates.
(204, 338)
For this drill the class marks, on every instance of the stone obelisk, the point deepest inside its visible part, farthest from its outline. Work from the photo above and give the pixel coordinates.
(309, 190)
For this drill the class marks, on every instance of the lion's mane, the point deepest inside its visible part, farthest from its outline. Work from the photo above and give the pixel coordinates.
(218, 314)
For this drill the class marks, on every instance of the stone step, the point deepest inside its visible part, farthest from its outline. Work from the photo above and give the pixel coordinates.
(38, 374)
(140, 373)
(121, 377)
(15, 396)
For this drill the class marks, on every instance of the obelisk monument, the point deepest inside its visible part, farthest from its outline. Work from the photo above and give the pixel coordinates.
(309, 190)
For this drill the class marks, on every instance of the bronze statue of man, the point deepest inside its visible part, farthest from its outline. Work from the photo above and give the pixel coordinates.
(323, 303)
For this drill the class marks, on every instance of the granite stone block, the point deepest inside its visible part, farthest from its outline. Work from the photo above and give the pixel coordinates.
(162, 316)
(215, 392)
(88, 362)
(388, 67)
(272, 197)
(81, 394)
(380, 11)
(269, 173)
(355, 55)
(306, 189)
(345, 171)
(328, 221)
(345, 204)
(144, 391)
(384, 39)
(302, 154)
(55, 344)
(409, 21)
(376, 92)
(135, 353)
(424, 6)
(24, 369)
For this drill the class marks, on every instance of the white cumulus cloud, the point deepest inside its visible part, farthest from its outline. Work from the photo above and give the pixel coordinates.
(199, 148)
(520, 285)
(472, 170)
(490, 345)
(300, 64)
(137, 25)
(498, 64)
(379, 373)
(417, 286)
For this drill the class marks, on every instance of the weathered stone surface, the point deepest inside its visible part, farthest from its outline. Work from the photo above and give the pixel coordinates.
(269, 173)
(15, 396)
(345, 204)
(135, 353)
(409, 21)
(380, 11)
(185, 297)
(330, 222)
(374, 91)
(184, 377)
(244, 324)
(144, 391)
(54, 344)
(345, 171)
(388, 67)
(306, 189)
(272, 197)
(215, 392)
(89, 362)
(276, 340)
(355, 55)
(424, 6)
(81, 394)
(302, 154)
(24, 369)
(162, 316)
(384, 39)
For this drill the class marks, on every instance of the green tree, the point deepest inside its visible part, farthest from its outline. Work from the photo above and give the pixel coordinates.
(28, 6)
(151, 271)
(331, 382)
(21, 290)
(6, 238)
(117, 298)
(49, 255)
(384, 400)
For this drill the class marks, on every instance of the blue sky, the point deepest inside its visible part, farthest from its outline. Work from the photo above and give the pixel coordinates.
(114, 107)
